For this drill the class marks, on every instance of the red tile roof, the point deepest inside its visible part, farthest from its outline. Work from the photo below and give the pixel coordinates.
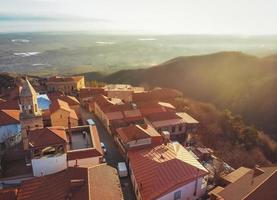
(47, 137)
(169, 118)
(252, 186)
(10, 105)
(136, 132)
(8, 194)
(162, 169)
(83, 153)
(162, 116)
(59, 104)
(8, 117)
(74, 183)
(71, 100)
(104, 183)
(54, 186)
(90, 92)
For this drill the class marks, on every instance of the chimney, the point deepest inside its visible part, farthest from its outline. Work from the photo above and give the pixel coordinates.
(69, 130)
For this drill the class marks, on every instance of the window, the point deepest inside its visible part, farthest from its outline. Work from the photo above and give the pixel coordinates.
(177, 195)
(61, 116)
(180, 127)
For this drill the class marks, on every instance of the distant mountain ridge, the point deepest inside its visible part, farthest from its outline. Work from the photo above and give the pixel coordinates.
(243, 83)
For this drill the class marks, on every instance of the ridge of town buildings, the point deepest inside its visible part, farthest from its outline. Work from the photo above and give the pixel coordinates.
(66, 141)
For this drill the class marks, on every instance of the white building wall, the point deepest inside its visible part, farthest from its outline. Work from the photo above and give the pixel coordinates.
(187, 191)
(49, 165)
(85, 161)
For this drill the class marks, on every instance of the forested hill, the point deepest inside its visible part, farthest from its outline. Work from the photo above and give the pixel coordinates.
(247, 85)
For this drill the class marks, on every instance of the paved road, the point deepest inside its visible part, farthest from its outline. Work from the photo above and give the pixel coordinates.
(113, 156)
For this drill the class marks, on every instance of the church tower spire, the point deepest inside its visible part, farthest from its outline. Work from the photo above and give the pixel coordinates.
(30, 115)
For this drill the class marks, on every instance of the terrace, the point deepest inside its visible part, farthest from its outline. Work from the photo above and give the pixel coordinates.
(80, 138)
(84, 143)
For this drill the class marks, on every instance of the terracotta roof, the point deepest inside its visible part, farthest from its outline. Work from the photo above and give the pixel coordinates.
(66, 98)
(187, 118)
(47, 137)
(59, 104)
(167, 105)
(162, 116)
(235, 175)
(27, 89)
(90, 92)
(132, 113)
(10, 105)
(252, 186)
(170, 118)
(8, 117)
(83, 153)
(114, 115)
(136, 132)
(104, 183)
(54, 186)
(74, 183)
(8, 194)
(163, 168)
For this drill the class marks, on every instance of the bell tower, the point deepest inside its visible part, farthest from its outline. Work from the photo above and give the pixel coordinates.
(30, 114)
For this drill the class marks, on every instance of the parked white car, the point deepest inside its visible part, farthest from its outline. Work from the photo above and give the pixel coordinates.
(122, 169)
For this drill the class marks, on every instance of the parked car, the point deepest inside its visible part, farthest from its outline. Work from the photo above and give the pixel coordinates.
(122, 169)
(103, 147)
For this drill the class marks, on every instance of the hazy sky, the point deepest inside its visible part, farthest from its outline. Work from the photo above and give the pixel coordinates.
(148, 16)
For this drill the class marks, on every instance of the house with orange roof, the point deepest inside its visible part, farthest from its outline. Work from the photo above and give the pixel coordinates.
(61, 114)
(53, 149)
(114, 113)
(166, 172)
(10, 129)
(88, 93)
(48, 150)
(248, 184)
(178, 125)
(84, 147)
(137, 136)
(67, 85)
(122, 91)
(74, 183)
(72, 101)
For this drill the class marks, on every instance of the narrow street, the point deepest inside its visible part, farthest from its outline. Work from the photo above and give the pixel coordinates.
(113, 155)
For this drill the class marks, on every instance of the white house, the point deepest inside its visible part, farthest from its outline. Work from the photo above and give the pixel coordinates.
(166, 172)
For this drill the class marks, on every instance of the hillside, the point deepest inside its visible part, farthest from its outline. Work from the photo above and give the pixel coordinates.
(230, 80)
(227, 134)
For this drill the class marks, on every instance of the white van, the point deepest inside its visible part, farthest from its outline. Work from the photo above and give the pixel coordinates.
(122, 169)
